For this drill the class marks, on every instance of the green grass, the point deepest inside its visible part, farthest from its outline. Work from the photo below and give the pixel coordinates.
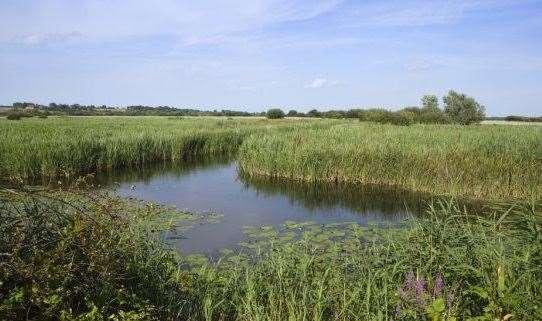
(92, 257)
(33, 149)
(478, 162)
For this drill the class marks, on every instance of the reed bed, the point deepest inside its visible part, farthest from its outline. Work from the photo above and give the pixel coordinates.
(33, 149)
(476, 162)
(92, 257)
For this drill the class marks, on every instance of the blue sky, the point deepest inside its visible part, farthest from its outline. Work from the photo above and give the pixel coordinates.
(250, 55)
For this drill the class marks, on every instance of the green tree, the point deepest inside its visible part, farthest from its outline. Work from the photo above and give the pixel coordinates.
(430, 103)
(292, 113)
(463, 109)
(314, 113)
(275, 113)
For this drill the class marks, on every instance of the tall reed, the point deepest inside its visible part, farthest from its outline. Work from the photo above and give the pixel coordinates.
(481, 162)
(60, 146)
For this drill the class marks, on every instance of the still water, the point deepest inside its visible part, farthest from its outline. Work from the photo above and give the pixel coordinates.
(218, 187)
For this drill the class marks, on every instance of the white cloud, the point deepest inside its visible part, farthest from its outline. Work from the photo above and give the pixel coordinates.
(317, 83)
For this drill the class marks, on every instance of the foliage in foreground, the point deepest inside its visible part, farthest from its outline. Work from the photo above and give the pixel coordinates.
(74, 257)
(94, 259)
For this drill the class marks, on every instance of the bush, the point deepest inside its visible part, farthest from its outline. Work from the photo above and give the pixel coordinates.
(463, 109)
(83, 257)
(275, 113)
(433, 117)
(17, 115)
(14, 116)
(383, 116)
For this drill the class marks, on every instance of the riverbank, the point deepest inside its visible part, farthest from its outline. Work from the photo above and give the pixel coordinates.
(80, 256)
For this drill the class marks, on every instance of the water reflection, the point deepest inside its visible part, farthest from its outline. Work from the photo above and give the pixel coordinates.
(361, 199)
(215, 186)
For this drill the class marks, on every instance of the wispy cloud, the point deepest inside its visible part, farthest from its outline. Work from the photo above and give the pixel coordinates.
(191, 21)
(321, 82)
(417, 12)
(317, 83)
(44, 38)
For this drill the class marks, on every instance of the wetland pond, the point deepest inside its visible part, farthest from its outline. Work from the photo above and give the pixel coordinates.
(217, 187)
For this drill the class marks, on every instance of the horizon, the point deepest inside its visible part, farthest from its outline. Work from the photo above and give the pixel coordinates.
(301, 110)
(302, 55)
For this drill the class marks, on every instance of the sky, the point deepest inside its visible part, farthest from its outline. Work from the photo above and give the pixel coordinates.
(252, 55)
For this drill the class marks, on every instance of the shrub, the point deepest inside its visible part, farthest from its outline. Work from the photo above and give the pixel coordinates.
(433, 117)
(17, 115)
(463, 109)
(275, 113)
(383, 116)
(14, 116)
(413, 109)
(83, 257)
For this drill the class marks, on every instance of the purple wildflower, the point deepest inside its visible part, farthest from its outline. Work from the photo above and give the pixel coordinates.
(420, 292)
(450, 300)
(439, 285)
(409, 281)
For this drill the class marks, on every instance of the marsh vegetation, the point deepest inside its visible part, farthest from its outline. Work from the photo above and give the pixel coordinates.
(80, 254)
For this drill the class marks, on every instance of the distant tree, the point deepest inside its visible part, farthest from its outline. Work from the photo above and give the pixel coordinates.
(275, 113)
(292, 113)
(463, 109)
(334, 114)
(314, 113)
(353, 113)
(430, 103)
(412, 109)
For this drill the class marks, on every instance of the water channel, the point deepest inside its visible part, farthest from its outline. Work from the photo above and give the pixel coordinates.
(218, 187)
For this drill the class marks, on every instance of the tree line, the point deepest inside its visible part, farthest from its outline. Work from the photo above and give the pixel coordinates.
(458, 108)
(29, 109)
